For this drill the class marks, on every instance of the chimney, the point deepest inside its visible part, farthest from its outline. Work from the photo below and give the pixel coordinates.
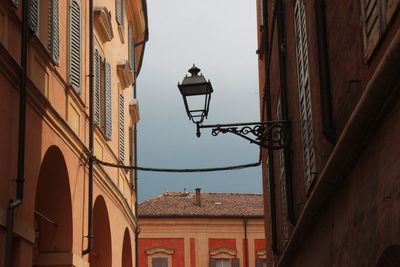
(198, 197)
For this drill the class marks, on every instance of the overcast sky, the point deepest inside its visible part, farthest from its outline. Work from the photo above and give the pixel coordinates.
(219, 36)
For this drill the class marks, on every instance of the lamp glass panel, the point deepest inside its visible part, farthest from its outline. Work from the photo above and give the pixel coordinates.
(197, 89)
(196, 102)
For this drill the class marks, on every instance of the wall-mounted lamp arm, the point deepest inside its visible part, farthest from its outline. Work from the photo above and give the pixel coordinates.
(271, 134)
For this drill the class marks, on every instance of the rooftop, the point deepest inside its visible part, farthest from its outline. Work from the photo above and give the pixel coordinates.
(184, 204)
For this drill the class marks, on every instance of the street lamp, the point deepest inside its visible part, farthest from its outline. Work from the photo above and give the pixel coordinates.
(196, 93)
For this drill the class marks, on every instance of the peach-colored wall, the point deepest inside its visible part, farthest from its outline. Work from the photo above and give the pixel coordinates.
(58, 117)
(200, 236)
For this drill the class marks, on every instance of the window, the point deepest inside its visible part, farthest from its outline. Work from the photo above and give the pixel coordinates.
(261, 263)
(159, 257)
(224, 262)
(75, 45)
(54, 31)
(121, 127)
(119, 11)
(284, 211)
(49, 25)
(159, 262)
(131, 43)
(102, 94)
(303, 78)
(34, 16)
(377, 15)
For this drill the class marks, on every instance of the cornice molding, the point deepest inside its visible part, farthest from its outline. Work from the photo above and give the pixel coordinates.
(102, 21)
(125, 74)
(134, 110)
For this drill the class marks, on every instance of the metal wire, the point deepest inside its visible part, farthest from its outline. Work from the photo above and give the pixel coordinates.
(227, 168)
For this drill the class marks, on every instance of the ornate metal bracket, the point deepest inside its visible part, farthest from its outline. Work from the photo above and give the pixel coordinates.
(271, 134)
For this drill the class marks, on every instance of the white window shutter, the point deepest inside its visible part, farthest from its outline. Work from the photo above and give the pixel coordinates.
(131, 49)
(34, 15)
(75, 46)
(284, 206)
(303, 76)
(96, 85)
(121, 127)
(118, 11)
(108, 107)
(54, 46)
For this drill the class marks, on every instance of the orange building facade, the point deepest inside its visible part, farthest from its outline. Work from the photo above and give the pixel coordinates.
(49, 224)
(190, 229)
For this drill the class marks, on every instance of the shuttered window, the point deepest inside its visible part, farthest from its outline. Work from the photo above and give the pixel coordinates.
(377, 15)
(284, 206)
(34, 16)
(303, 78)
(159, 262)
(97, 86)
(224, 262)
(75, 45)
(131, 48)
(372, 24)
(121, 127)
(261, 263)
(54, 37)
(119, 11)
(107, 101)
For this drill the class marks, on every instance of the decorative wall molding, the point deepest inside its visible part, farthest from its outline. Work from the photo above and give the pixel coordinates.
(162, 250)
(218, 252)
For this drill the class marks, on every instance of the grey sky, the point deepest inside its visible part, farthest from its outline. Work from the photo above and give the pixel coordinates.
(219, 36)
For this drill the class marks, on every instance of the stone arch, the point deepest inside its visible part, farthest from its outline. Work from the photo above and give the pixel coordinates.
(53, 209)
(127, 250)
(101, 253)
(390, 257)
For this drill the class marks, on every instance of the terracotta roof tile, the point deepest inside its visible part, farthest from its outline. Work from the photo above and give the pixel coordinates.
(183, 204)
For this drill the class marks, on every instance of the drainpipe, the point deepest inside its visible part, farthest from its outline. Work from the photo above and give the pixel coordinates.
(267, 107)
(324, 77)
(137, 230)
(91, 132)
(246, 243)
(284, 106)
(21, 138)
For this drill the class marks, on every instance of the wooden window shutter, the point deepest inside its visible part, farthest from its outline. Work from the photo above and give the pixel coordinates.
(131, 49)
(372, 24)
(235, 262)
(389, 7)
(54, 44)
(284, 206)
(107, 100)
(121, 127)
(213, 263)
(75, 46)
(118, 11)
(303, 77)
(97, 85)
(34, 15)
